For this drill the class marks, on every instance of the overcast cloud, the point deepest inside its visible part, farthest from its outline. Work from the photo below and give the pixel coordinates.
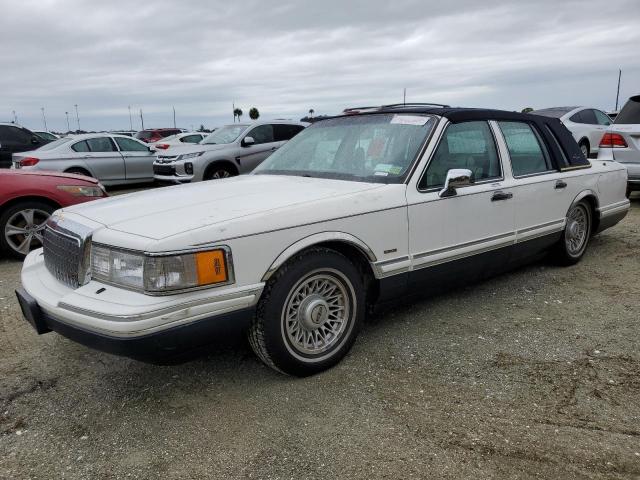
(285, 57)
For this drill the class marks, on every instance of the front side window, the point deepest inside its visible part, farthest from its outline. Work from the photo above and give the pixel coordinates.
(225, 135)
(262, 134)
(130, 145)
(101, 144)
(528, 155)
(468, 145)
(602, 118)
(376, 148)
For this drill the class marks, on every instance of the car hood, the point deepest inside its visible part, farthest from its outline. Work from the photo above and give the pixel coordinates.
(45, 173)
(182, 148)
(228, 208)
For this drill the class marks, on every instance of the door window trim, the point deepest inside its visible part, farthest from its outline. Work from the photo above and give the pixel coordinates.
(440, 138)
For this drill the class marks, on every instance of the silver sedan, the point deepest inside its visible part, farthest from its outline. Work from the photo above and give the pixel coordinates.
(112, 159)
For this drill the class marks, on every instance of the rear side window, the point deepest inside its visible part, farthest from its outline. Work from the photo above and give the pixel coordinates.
(467, 145)
(130, 145)
(584, 116)
(528, 154)
(101, 144)
(630, 113)
(282, 132)
(80, 147)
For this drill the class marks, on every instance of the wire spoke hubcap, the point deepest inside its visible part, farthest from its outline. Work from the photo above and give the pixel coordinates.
(576, 230)
(316, 313)
(24, 229)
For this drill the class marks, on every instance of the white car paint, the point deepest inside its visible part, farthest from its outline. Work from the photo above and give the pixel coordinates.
(178, 140)
(265, 219)
(587, 131)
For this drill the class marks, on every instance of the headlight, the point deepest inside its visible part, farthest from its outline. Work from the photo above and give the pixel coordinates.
(80, 191)
(184, 156)
(162, 273)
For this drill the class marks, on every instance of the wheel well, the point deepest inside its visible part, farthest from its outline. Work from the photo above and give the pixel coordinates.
(29, 198)
(360, 259)
(585, 140)
(593, 204)
(78, 169)
(217, 163)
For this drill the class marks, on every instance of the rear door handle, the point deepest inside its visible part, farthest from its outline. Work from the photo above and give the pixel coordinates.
(500, 195)
(561, 184)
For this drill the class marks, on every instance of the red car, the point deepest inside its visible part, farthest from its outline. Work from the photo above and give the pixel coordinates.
(154, 134)
(27, 199)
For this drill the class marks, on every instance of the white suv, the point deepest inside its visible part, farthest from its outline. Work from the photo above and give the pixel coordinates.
(227, 152)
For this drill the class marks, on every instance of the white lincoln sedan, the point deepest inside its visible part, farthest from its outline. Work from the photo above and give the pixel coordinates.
(355, 210)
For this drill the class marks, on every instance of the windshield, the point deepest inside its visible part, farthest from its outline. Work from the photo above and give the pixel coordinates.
(371, 148)
(55, 143)
(226, 134)
(553, 112)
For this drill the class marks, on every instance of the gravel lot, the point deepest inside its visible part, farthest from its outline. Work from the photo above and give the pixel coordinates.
(534, 374)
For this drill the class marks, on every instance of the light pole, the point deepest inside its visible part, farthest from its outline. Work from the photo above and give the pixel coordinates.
(77, 116)
(141, 119)
(174, 117)
(15, 117)
(130, 121)
(44, 119)
(68, 127)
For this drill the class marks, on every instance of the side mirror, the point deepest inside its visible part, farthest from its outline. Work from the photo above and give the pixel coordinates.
(248, 141)
(456, 178)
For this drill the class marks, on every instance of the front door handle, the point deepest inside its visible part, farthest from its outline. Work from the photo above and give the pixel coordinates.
(500, 195)
(561, 184)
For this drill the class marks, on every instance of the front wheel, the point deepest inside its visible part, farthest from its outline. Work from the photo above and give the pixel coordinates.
(217, 172)
(577, 232)
(309, 314)
(22, 227)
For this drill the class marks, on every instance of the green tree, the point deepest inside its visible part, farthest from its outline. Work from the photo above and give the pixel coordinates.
(201, 129)
(311, 112)
(254, 114)
(237, 113)
(527, 110)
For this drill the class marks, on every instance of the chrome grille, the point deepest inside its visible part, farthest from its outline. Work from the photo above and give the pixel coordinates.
(63, 255)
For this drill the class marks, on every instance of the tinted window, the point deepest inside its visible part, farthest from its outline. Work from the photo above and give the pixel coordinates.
(191, 139)
(15, 136)
(630, 113)
(282, 133)
(80, 147)
(262, 134)
(589, 117)
(130, 145)
(101, 144)
(467, 145)
(577, 118)
(144, 135)
(602, 118)
(527, 153)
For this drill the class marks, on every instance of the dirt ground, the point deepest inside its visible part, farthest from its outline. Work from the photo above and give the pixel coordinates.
(534, 374)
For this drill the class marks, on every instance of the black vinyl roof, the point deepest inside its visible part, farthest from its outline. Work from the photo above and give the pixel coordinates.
(558, 139)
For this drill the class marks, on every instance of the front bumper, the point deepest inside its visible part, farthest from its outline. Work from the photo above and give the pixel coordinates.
(129, 323)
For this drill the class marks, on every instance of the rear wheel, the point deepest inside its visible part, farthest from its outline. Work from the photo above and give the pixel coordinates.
(584, 148)
(22, 227)
(216, 172)
(309, 314)
(577, 232)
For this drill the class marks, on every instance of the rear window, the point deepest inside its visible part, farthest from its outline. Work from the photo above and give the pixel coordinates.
(553, 112)
(630, 113)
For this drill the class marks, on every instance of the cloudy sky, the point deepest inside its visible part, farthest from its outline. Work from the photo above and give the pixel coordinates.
(287, 56)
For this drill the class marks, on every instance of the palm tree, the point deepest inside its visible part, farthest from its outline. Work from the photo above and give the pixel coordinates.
(237, 113)
(311, 112)
(254, 114)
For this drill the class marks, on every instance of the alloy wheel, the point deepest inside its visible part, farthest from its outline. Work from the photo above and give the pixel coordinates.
(25, 228)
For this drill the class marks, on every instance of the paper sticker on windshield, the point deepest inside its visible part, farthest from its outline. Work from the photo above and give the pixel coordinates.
(409, 120)
(384, 169)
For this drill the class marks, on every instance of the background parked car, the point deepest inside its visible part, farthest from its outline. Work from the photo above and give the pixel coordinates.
(621, 142)
(154, 134)
(14, 139)
(112, 159)
(179, 139)
(46, 135)
(229, 151)
(27, 199)
(586, 124)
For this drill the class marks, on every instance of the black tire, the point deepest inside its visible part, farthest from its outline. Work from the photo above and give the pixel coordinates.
(79, 171)
(575, 237)
(219, 171)
(8, 242)
(274, 326)
(584, 147)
